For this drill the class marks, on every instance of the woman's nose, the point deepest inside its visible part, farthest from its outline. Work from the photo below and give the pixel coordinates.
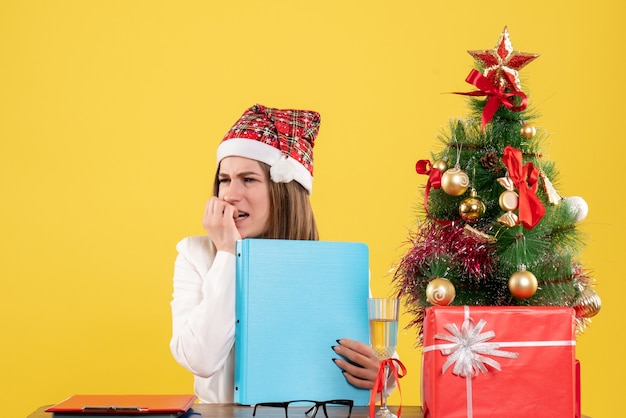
(233, 192)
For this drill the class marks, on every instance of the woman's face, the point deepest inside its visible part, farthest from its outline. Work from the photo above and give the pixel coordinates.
(243, 184)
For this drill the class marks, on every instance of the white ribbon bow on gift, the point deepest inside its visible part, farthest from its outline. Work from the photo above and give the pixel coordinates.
(469, 347)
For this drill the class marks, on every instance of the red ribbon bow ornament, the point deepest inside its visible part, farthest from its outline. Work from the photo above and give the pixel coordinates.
(496, 95)
(525, 178)
(434, 178)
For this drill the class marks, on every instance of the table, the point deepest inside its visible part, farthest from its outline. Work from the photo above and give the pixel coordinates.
(238, 411)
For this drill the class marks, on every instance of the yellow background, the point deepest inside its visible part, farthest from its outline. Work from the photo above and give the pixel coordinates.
(110, 112)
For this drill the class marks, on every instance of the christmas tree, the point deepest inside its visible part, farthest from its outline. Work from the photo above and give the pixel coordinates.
(493, 230)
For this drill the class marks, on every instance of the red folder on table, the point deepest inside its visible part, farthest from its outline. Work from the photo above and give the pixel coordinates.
(162, 406)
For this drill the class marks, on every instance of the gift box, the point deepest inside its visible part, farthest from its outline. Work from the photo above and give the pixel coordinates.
(487, 361)
(577, 389)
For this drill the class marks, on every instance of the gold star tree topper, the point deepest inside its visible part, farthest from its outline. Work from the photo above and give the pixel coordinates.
(501, 64)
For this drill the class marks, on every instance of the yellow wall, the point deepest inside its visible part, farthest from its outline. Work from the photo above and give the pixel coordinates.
(110, 112)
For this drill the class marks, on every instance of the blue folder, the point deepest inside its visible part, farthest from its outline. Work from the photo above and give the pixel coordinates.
(294, 300)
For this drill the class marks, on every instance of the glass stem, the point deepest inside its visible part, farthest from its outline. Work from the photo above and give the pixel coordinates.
(383, 402)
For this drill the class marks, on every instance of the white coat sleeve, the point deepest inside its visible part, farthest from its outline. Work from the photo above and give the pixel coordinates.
(203, 307)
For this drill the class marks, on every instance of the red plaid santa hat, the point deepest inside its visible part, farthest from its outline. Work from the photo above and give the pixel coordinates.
(281, 138)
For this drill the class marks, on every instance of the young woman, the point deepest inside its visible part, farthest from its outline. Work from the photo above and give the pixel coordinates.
(261, 190)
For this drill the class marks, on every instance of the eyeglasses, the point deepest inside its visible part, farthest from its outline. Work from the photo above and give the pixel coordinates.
(337, 408)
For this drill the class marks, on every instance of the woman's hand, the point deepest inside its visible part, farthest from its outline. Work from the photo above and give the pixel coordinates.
(219, 223)
(359, 364)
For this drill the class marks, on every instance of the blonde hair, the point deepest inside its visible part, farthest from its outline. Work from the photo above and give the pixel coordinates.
(291, 214)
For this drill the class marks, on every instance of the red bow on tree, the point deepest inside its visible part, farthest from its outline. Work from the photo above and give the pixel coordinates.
(434, 178)
(530, 208)
(496, 95)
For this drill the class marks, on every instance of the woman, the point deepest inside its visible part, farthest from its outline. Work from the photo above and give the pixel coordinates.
(261, 190)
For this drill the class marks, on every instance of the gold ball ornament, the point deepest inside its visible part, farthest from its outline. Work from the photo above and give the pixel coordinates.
(440, 292)
(441, 165)
(472, 208)
(588, 303)
(454, 181)
(527, 131)
(522, 284)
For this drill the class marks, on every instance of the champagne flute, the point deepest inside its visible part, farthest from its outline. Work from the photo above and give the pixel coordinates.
(383, 317)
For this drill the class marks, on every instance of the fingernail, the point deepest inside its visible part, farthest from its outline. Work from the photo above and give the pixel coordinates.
(338, 342)
(333, 347)
(334, 360)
